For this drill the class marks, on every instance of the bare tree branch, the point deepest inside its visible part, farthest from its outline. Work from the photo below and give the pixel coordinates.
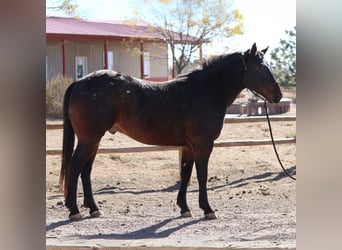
(66, 6)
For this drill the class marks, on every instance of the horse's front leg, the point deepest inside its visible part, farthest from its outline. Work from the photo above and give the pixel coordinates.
(186, 169)
(202, 154)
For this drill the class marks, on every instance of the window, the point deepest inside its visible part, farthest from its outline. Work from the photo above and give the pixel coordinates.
(81, 68)
(46, 68)
(110, 60)
(147, 72)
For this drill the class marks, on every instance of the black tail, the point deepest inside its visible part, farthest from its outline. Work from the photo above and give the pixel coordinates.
(68, 142)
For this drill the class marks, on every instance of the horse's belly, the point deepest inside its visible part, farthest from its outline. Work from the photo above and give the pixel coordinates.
(153, 136)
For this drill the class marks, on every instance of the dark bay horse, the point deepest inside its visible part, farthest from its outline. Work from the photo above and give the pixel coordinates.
(187, 112)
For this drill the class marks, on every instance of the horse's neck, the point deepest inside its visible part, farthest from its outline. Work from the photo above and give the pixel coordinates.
(228, 82)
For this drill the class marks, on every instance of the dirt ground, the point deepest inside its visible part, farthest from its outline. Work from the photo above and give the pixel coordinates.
(254, 200)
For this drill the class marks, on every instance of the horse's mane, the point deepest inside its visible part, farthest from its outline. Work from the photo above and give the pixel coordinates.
(216, 64)
(221, 60)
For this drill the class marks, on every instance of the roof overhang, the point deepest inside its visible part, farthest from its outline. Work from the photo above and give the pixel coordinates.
(59, 28)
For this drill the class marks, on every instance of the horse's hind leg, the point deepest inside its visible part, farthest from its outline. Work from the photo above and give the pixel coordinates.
(87, 189)
(82, 155)
(186, 169)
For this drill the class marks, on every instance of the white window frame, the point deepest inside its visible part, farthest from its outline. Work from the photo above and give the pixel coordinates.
(147, 65)
(110, 60)
(81, 66)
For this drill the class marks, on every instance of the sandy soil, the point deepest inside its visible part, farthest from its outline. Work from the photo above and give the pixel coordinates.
(255, 201)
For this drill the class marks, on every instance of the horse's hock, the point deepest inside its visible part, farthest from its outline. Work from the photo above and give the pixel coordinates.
(255, 107)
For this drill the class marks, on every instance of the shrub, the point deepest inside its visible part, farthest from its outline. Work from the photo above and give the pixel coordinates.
(55, 89)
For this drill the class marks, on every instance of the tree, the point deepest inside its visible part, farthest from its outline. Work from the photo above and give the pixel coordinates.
(283, 60)
(65, 5)
(186, 25)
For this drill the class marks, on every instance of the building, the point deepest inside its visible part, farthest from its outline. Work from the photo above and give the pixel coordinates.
(76, 47)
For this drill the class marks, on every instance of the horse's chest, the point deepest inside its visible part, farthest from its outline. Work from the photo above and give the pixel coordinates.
(206, 128)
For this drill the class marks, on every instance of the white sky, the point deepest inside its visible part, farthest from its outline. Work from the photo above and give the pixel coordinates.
(265, 21)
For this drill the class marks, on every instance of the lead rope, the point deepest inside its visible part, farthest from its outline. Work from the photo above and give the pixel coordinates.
(269, 124)
(273, 143)
(271, 133)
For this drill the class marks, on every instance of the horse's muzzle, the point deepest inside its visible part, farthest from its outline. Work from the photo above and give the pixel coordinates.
(275, 94)
(278, 97)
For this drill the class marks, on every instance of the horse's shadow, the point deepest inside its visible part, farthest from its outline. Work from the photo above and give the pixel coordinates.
(55, 225)
(149, 232)
(116, 190)
(265, 177)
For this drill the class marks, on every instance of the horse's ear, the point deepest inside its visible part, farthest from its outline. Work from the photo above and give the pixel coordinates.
(253, 50)
(265, 50)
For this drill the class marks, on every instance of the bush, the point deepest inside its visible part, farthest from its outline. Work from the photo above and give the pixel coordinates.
(55, 89)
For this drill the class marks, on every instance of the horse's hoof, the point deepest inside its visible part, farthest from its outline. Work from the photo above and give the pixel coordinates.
(95, 214)
(210, 216)
(187, 214)
(75, 217)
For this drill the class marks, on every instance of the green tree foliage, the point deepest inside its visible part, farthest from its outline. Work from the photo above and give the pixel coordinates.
(283, 60)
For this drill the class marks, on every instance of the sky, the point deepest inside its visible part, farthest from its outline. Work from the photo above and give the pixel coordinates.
(265, 21)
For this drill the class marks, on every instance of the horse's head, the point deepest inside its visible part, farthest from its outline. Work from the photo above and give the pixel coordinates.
(258, 76)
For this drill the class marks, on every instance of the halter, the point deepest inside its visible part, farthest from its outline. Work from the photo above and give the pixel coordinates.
(245, 68)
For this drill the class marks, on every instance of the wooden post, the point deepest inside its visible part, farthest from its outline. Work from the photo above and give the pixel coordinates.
(105, 54)
(200, 55)
(63, 58)
(141, 60)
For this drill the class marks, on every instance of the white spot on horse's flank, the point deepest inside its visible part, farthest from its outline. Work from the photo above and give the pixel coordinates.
(127, 91)
(111, 83)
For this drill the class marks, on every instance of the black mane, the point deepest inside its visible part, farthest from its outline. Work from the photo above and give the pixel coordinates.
(217, 63)
(221, 60)
(225, 66)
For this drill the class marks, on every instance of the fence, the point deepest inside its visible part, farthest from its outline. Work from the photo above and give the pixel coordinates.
(235, 143)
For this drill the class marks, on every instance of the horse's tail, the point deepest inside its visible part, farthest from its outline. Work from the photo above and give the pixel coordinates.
(68, 143)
